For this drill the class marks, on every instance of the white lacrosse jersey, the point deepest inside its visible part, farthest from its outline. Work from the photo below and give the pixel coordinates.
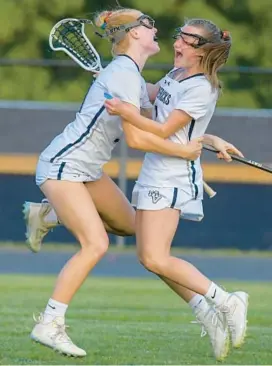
(195, 96)
(86, 144)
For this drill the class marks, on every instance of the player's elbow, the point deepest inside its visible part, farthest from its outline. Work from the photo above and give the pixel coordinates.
(133, 141)
(138, 141)
(163, 133)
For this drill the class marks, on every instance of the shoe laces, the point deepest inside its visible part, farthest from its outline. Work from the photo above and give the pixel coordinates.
(203, 330)
(60, 333)
(38, 319)
(214, 322)
(47, 226)
(226, 310)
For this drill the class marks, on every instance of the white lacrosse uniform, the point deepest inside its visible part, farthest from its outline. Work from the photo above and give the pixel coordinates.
(166, 181)
(85, 145)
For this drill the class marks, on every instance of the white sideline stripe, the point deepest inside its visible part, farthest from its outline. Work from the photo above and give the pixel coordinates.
(72, 107)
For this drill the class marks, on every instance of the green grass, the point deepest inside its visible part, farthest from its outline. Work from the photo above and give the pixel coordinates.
(125, 321)
(73, 247)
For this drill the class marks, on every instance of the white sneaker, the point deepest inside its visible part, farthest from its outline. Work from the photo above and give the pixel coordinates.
(36, 227)
(53, 335)
(234, 310)
(214, 325)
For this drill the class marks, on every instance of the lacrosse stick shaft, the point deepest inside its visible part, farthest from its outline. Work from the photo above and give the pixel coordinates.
(246, 161)
(210, 192)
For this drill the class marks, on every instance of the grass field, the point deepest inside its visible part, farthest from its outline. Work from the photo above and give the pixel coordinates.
(125, 321)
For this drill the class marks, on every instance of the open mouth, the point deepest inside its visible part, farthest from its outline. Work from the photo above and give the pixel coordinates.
(155, 38)
(178, 54)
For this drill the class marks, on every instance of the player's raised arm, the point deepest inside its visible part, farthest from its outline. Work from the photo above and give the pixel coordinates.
(173, 123)
(148, 142)
(183, 113)
(127, 88)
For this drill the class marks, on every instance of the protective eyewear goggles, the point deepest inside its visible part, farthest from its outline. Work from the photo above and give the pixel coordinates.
(191, 39)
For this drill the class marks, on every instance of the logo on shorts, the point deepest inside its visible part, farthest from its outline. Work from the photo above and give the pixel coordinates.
(155, 195)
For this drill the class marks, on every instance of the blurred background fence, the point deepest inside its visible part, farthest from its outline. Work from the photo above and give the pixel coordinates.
(41, 91)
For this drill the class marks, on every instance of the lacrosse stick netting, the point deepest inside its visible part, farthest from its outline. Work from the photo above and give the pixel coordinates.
(68, 35)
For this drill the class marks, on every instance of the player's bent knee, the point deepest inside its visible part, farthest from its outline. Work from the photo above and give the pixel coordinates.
(98, 250)
(151, 262)
(95, 247)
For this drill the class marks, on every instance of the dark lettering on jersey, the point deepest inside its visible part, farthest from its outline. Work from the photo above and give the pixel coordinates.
(164, 96)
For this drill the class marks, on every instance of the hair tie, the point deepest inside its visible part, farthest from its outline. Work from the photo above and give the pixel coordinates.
(104, 25)
(225, 34)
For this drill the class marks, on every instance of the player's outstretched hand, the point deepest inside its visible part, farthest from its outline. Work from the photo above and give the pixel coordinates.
(193, 149)
(225, 148)
(114, 106)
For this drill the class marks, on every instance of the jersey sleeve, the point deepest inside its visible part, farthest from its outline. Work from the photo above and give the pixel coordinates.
(145, 102)
(195, 101)
(125, 85)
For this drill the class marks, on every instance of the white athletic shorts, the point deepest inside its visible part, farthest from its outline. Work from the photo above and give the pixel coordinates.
(157, 198)
(62, 171)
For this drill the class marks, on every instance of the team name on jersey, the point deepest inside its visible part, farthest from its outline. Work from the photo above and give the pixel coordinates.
(164, 96)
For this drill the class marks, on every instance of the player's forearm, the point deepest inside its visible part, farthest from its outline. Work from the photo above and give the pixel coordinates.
(146, 112)
(148, 142)
(145, 124)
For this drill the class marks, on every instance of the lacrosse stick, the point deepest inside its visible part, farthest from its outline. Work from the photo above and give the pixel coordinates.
(246, 161)
(210, 192)
(68, 36)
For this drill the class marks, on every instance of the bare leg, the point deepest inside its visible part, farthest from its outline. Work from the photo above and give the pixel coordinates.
(155, 231)
(109, 199)
(113, 206)
(76, 210)
(181, 291)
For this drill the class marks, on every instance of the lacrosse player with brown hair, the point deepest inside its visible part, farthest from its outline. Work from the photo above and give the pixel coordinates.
(168, 188)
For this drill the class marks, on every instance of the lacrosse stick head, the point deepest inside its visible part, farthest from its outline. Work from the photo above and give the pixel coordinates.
(68, 36)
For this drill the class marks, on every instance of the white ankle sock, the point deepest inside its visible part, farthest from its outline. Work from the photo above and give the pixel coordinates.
(198, 302)
(216, 295)
(54, 309)
(51, 217)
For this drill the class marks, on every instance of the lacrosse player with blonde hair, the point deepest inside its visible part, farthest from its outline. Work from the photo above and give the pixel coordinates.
(70, 169)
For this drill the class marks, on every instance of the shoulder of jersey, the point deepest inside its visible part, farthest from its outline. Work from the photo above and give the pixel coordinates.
(197, 81)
